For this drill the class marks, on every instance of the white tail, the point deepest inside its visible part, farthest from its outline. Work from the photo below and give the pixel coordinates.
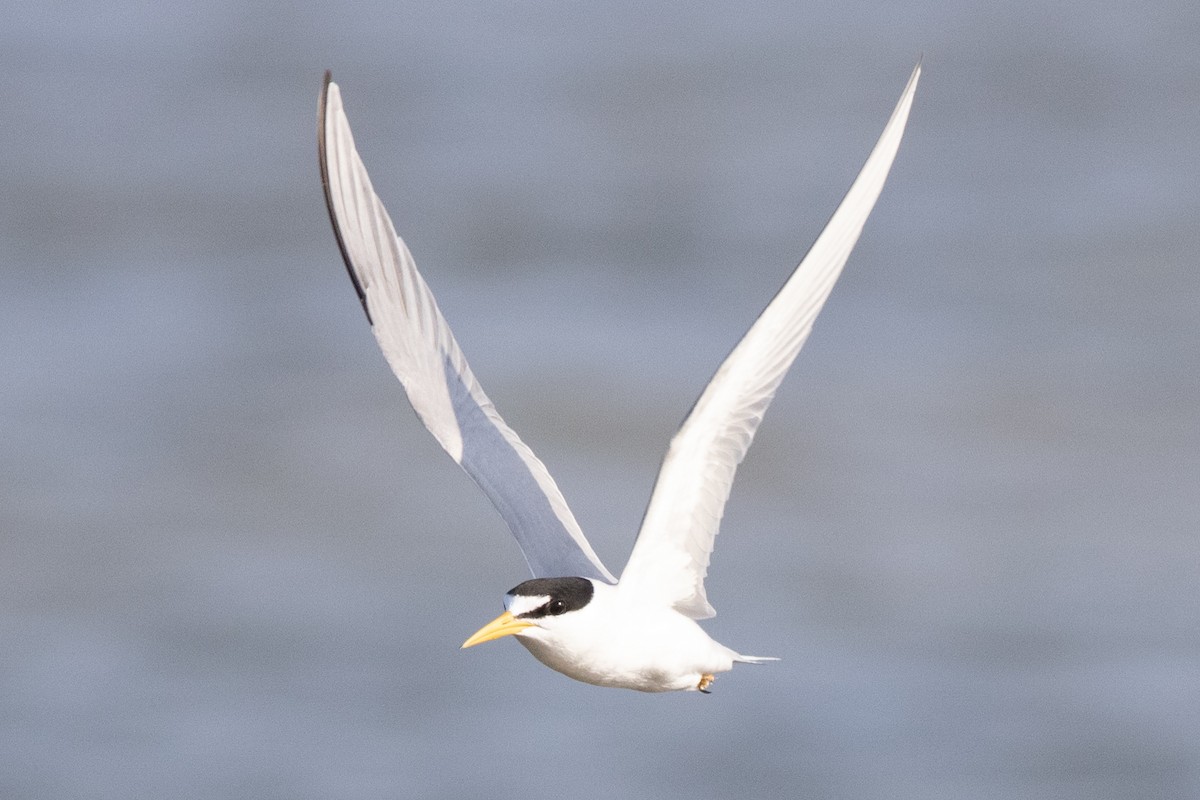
(753, 659)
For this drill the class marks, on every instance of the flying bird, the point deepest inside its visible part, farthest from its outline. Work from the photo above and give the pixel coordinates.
(639, 632)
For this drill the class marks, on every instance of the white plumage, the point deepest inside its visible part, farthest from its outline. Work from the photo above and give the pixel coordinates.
(639, 632)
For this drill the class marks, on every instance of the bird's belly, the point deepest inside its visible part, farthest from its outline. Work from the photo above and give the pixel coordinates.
(646, 658)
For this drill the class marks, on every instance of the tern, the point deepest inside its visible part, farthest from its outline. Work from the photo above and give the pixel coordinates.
(639, 632)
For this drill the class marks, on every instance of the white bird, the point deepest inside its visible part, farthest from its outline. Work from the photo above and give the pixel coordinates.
(639, 632)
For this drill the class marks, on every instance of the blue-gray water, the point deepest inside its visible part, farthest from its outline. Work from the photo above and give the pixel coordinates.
(232, 563)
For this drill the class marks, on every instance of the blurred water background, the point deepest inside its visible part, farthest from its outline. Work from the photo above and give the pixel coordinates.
(233, 564)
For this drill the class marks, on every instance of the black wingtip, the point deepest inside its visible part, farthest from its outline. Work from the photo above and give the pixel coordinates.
(323, 161)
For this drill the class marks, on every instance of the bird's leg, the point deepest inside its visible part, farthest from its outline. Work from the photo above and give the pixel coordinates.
(706, 680)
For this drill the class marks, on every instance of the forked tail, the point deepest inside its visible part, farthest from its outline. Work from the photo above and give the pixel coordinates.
(741, 659)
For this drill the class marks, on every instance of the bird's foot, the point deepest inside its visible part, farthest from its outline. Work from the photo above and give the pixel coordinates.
(706, 680)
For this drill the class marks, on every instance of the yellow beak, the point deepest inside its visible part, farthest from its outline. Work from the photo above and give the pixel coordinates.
(504, 625)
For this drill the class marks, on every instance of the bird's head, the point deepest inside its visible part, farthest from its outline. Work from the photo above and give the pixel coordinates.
(541, 603)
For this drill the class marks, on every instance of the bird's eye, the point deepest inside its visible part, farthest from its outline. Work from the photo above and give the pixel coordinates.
(556, 607)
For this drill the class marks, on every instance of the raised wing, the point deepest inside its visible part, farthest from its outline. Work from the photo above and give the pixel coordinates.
(670, 558)
(422, 352)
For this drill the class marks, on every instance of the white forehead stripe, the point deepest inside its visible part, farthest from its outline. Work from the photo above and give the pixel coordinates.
(518, 604)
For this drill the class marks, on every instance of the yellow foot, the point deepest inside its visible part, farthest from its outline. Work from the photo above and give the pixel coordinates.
(706, 680)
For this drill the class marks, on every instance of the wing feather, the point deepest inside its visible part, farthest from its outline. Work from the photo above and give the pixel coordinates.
(421, 350)
(670, 558)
